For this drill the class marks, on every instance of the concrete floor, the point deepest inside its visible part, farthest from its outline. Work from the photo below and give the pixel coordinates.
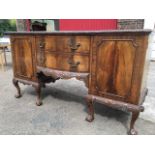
(63, 111)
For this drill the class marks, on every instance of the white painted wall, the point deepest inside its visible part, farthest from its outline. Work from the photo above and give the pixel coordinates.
(150, 24)
(153, 46)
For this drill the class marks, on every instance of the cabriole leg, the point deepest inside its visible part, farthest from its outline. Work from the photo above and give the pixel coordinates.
(38, 91)
(15, 82)
(134, 117)
(89, 101)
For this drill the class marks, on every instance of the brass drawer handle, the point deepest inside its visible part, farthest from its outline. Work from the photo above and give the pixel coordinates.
(42, 44)
(73, 45)
(73, 64)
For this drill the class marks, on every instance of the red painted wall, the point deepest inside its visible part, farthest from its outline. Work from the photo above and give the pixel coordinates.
(87, 24)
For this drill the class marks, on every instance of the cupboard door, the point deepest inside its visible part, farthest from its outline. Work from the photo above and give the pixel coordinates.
(114, 67)
(22, 57)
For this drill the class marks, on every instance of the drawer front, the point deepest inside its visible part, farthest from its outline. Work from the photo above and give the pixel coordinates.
(69, 53)
(66, 44)
(67, 62)
(84, 44)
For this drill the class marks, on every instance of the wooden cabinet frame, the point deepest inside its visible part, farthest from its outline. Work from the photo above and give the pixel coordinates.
(113, 65)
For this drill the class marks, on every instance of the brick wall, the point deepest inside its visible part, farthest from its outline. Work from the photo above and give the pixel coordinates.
(121, 24)
(130, 24)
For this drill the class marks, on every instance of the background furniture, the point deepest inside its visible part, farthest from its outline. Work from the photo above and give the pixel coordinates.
(113, 65)
(37, 26)
(3, 60)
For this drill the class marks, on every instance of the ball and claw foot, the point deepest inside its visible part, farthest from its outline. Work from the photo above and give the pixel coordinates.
(18, 96)
(38, 92)
(89, 101)
(134, 117)
(15, 82)
(89, 118)
(38, 103)
(132, 132)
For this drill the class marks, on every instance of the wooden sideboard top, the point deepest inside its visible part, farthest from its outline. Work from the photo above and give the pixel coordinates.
(147, 31)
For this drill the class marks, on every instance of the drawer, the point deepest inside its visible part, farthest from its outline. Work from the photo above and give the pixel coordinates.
(65, 62)
(84, 42)
(64, 43)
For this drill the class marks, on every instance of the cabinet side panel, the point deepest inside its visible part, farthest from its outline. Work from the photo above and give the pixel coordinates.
(145, 71)
(139, 77)
(23, 57)
(13, 56)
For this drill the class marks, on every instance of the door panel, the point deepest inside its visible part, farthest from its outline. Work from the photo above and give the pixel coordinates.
(105, 63)
(114, 67)
(22, 55)
(124, 67)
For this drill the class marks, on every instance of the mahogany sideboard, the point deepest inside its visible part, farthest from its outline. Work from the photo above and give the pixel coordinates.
(113, 65)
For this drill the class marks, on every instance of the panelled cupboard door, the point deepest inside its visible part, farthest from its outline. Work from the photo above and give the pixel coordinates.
(22, 57)
(114, 67)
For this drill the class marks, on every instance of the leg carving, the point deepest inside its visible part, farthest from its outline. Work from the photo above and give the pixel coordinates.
(132, 130)
(89, 101)
(15, 82)
(38, 91)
